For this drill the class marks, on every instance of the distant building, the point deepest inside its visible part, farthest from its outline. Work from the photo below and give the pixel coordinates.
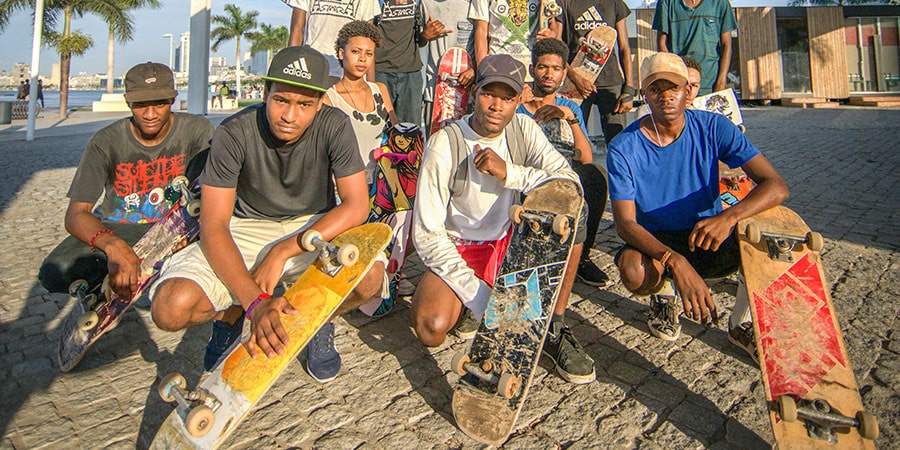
(183, 53)
(218, 67)
(20, 72)
(259, 63)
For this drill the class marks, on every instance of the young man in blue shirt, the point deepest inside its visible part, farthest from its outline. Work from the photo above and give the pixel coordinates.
(663, 180)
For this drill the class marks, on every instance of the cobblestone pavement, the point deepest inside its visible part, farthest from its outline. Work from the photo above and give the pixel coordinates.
(842, 166)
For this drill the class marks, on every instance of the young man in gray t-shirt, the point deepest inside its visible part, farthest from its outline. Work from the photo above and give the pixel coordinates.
(268, 179)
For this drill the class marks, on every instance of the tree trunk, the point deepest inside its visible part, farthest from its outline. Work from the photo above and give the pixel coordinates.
(110, 64)
(237, 69)
(65, 62)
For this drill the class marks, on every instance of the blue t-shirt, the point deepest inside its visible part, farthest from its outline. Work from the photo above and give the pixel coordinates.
(561, 101)
(675, 186)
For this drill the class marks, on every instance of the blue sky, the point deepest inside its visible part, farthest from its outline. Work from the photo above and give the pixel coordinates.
(149, 45)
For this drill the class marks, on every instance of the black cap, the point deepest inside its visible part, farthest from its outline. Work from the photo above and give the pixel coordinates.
(501, 68)
(300, 66)
(149, 81)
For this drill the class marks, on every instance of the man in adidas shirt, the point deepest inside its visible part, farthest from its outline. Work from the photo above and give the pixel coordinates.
(462, 236)
(267, 180)
(613, 91)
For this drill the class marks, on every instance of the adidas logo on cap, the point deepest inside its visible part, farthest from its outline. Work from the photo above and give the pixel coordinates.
(298, 68)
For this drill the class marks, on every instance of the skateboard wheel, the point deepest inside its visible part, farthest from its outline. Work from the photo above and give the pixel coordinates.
(868, 425)
(561, 225)
(753, 234)
(458, 364)
(180, 182)
(78, 285)
(193, 208)
(157, 195)
(306, 241)
(815, 241)
(167, 383)
(200, 420)
(515, 213)
(787, 408)
(348, 255)
(508, 386)
(88, 320)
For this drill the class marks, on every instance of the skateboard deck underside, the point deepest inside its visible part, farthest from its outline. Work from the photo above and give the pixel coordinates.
(588, 62)
(391, 199)
(560, 135)
(723, 102)
(515, 322)
(240, 381)
(152, 249)
(450, 99)
(799, 342)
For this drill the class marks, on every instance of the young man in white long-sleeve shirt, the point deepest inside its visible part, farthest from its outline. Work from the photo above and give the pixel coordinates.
(462, 236)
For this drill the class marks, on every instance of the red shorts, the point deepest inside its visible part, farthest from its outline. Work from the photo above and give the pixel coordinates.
(485, 257)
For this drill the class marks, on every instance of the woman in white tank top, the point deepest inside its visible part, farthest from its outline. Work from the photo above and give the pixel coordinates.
(368, 104)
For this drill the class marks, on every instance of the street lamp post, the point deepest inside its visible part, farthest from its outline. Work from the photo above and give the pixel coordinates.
(169, 35)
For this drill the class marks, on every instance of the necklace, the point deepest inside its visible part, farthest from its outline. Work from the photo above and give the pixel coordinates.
(347, 91)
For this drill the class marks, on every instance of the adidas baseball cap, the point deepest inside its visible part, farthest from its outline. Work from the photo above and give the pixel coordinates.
(300, 66)
(149, 81)
(501, 68)
(663, 66)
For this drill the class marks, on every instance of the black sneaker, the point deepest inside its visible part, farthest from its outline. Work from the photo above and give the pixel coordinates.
(223, 337)
(589, 273)
(742, 337)
(569, 357)
(466, 327)
(323, 362)
(663, 320)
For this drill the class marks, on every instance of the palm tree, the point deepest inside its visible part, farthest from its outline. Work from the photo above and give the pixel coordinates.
(67, 43)
(269, 39)
(233, 25)
(125, 35)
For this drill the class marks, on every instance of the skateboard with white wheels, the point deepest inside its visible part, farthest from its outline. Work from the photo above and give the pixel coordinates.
(497, 368)
(98, 308)
(593, 53)
(451, 100)
(812, 395)
(204, 417)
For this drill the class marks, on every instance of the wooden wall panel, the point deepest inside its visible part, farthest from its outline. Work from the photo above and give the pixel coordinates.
(760, 57)
(828, 71)
(646, 40)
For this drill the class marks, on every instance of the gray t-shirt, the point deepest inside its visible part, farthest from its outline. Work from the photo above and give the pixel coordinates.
(580, 17)
(129, 172)
(400, 23)
(276, 181)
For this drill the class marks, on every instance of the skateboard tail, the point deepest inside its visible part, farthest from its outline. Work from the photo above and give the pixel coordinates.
(482, 420)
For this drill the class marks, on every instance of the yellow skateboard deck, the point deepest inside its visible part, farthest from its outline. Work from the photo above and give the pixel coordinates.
(239, 381)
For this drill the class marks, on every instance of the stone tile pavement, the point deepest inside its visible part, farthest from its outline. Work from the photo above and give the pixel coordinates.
(843, 168)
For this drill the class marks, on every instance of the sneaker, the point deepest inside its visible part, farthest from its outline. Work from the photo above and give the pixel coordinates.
(742, 337)
(663, 321)
(223, 337)
(569, 357)
(405, 288)
(323, 362)
(589, 273)
(466, 326)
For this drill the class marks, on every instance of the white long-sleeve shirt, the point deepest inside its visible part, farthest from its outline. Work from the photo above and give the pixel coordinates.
(481, 211)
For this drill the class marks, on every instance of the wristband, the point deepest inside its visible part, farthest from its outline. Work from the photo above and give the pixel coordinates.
(96, 235)
(629, 90)
(665, 258)
(263, 296)
(572, 121)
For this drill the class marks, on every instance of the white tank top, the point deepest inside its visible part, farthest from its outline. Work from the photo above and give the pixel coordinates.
(369, 126)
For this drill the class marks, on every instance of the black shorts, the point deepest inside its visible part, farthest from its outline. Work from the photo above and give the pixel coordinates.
(708, 264)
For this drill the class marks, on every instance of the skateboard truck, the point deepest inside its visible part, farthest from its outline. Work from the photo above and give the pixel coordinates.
(508, 385)
(197, 407)
(333, 257)
(821, 420)
(781, 245)
(89, 319)
(559, 223)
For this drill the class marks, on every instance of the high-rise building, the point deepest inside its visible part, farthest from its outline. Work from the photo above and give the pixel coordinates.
(20, 72)
(183, 58)
(259, 63)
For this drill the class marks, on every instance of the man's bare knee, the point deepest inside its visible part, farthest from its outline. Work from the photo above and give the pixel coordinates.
(432, 330)
(173, 304)
(370, 286)
(632, 271)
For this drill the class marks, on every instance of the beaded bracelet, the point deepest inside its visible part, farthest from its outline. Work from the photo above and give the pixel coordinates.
(250, 308)
(96, 235)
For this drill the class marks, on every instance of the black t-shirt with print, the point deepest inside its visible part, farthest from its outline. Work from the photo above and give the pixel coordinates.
(400, 23)
(276, 181)
(116, 163)
(580, 17)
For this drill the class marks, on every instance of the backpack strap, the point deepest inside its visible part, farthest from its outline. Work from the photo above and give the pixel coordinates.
(515, 140)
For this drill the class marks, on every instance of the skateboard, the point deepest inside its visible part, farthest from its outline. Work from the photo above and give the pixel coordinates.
(98, 308)
(496, 370)
(560, 135)
(550, 9)
(391, 199)
(734, 185)
(204, 418)
(723, 102)
(451, 101)
(592, 55)
(812, 395)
